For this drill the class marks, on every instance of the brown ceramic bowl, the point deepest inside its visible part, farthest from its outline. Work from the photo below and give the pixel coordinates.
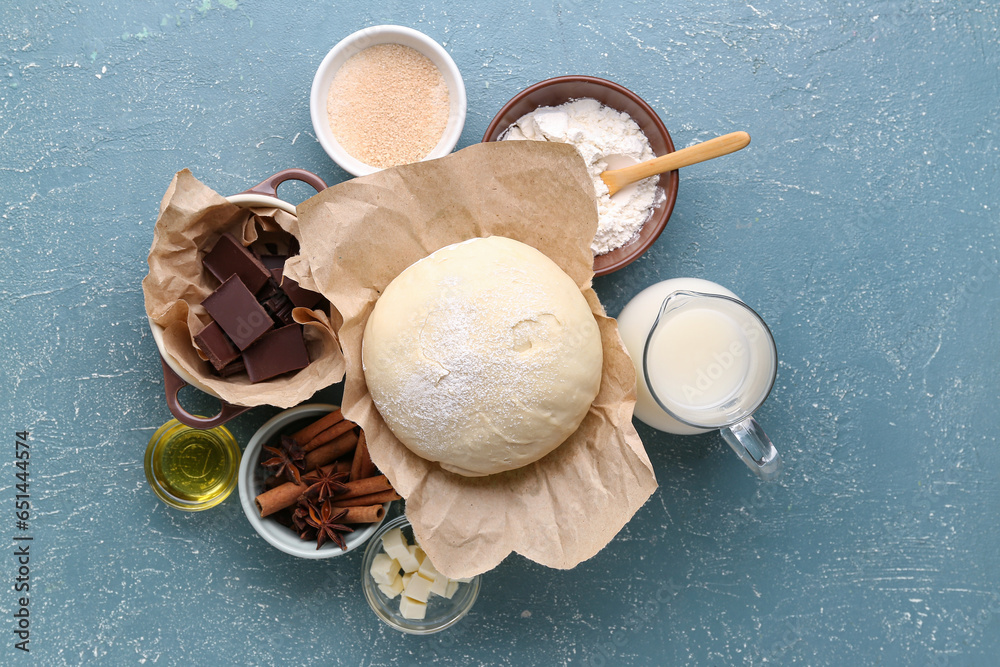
(562, 89)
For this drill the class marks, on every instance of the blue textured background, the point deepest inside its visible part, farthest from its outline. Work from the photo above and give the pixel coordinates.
(861, 222)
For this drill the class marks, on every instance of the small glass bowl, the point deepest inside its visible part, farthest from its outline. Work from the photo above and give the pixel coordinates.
(191, 469)
(442, 613)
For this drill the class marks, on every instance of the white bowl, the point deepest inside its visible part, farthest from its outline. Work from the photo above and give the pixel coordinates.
(251, 479)
(357, 42)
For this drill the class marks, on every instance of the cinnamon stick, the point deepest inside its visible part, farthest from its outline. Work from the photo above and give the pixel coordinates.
(328, 435)
(309, 432)
(371, 499)
(368, 468)
(363, 487)
(342, 466)
(279, 498)
(369, 514)
(331, 451)
(360, 453)
(285, 495)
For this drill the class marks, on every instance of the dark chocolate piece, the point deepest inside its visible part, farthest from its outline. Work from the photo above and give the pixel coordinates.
(277, 352)
(229, 258)
(272, 262)
(280, 308)
(275, 242)
(213, 342)
(270, 289)
(302, 298)
(238, 313)
(232, 369)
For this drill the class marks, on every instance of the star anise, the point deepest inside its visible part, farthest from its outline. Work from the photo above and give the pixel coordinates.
(301, 514)
(325, 523)
(289, 459)
(326, 484)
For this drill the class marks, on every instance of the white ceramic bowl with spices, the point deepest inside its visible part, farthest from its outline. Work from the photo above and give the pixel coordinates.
(251, 483)
(356, 43)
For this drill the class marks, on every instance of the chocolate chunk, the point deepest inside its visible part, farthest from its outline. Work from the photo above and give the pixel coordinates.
(275, 242)
(213, 342)
(279, 307)
(272, 262)
(232, 369)
(302, 298)
(238, 313)
(277, 352)
(269, 290)
(229, 258)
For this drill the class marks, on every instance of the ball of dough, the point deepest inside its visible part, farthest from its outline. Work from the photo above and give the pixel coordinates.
(483, 356)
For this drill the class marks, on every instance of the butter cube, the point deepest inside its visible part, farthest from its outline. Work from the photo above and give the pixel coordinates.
(418, 588)
(440, 584)
(417, 553)
(412, 609)
(406, 578)
(428, 570)
(393, 589)
(450, 590)
(384, 569)
(409, 563)
(396, 546)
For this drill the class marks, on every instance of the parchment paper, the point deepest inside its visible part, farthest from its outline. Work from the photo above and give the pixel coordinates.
(192, 217)
(359, 235)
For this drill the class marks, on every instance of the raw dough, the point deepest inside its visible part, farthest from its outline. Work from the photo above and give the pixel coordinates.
(483, 356)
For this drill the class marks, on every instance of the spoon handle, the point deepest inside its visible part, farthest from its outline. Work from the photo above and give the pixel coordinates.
(727, 143)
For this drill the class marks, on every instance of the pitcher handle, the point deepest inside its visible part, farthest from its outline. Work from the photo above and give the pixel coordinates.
(754, 448)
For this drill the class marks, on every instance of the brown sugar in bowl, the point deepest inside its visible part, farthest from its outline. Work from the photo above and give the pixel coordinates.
(559, 90)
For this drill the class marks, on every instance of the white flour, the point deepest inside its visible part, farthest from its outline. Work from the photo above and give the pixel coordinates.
(598, 131)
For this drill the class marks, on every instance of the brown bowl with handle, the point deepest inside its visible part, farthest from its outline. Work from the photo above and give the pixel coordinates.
(175, 378)
(559, 90)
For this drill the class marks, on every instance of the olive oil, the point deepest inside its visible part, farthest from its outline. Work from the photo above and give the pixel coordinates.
(192, 469)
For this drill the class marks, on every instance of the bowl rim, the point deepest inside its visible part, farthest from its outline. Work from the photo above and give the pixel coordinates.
(371, 36)
(368, 586)
(615, 259)
(249, 461)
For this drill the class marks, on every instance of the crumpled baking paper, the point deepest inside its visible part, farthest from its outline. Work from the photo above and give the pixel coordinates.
(359, 235)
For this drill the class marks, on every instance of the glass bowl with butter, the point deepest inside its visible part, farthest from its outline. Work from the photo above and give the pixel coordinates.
(405, 590)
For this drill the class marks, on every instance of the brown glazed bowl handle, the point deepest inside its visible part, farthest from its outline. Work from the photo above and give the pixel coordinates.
(269, 186)
(174, 383)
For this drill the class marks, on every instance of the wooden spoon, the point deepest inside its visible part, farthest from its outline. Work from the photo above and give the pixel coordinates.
(616, 179)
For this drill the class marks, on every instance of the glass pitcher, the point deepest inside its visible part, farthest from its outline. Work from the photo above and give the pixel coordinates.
(708, 362)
